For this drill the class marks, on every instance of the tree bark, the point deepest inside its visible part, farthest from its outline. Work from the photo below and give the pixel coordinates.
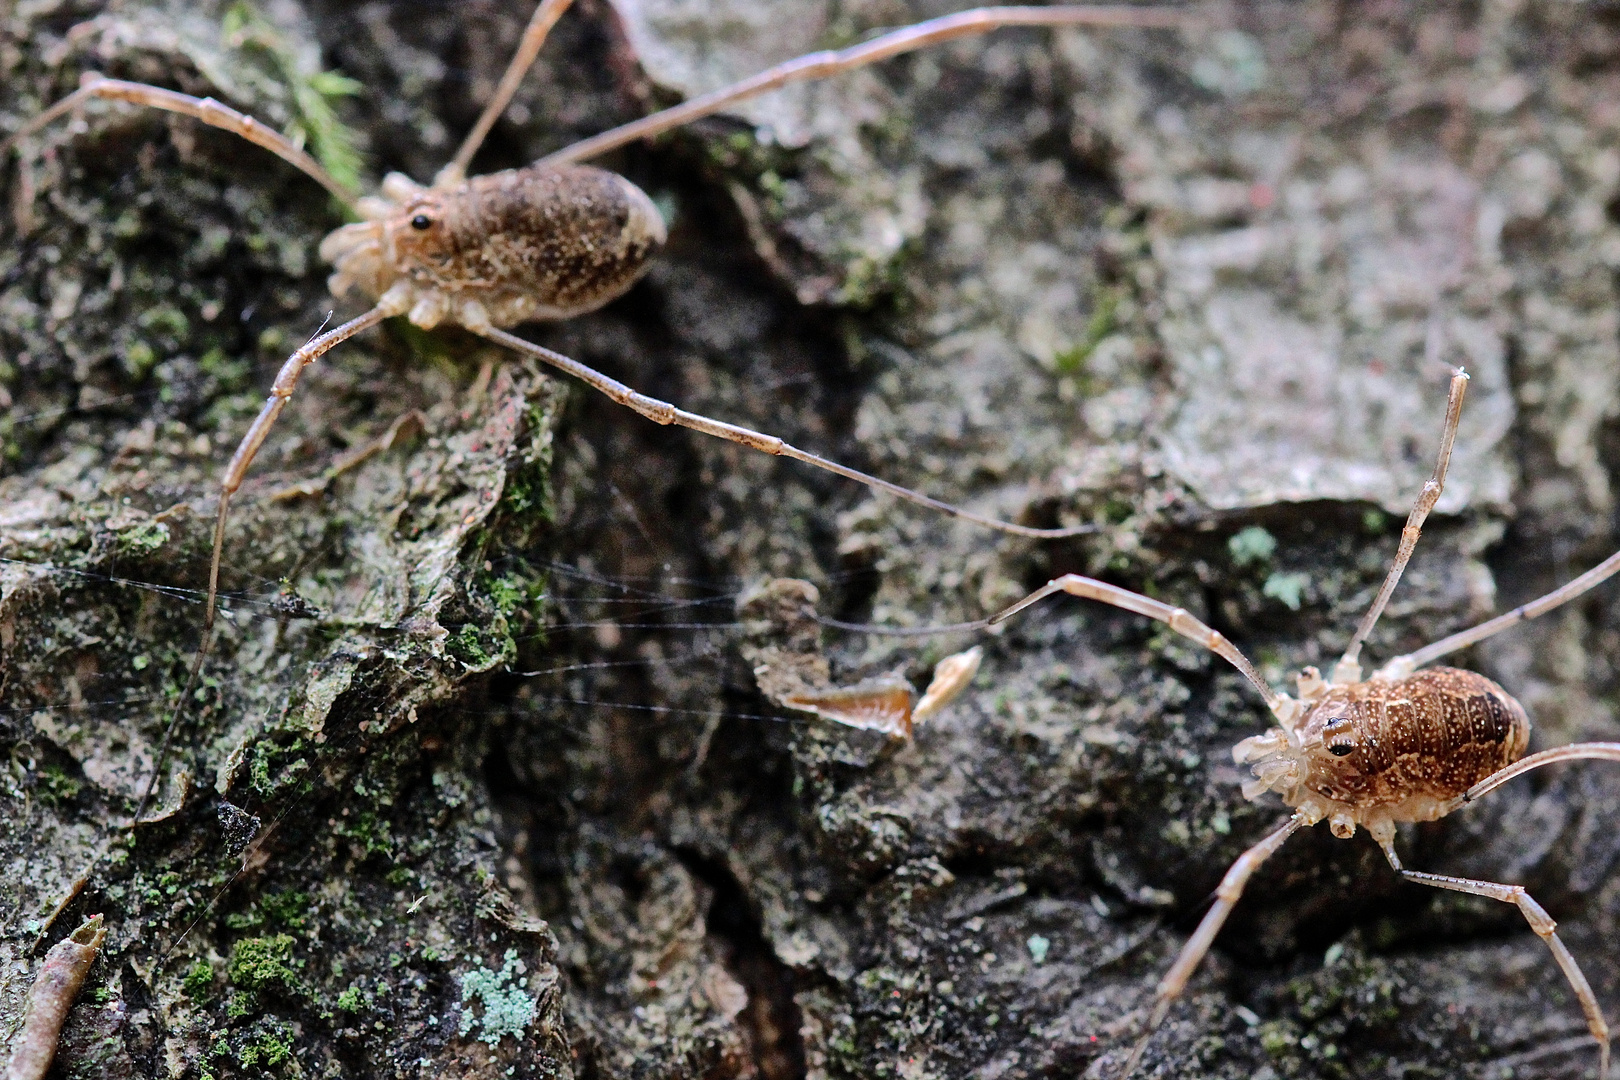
(477, 781)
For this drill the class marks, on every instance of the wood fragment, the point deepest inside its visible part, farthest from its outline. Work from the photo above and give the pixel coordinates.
(951, 677)
(51, 998)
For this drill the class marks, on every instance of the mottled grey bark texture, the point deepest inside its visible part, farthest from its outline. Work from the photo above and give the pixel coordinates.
(519, 807)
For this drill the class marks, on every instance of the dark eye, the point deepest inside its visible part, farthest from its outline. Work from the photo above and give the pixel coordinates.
(421, 221)
(1335, 725)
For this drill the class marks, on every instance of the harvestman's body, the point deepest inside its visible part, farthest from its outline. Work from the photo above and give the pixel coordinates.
(1404, 745)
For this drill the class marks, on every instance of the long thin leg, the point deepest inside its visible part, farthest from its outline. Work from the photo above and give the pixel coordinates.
(1606, 751)
(286, 380)
(1177, 619)
(1402, 666)
(663, 412)
(820, 65)
(1541, 923)
(1347, 670)
(544, 18)
(1192, 953)
(207, 110)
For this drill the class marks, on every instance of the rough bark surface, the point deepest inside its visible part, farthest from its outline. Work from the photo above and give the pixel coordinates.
(477, 781)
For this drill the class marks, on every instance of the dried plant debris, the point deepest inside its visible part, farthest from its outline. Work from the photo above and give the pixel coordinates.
(61, 976)
(790, 668)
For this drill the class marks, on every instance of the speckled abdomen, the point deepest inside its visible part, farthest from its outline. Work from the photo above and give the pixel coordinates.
(1428, 737)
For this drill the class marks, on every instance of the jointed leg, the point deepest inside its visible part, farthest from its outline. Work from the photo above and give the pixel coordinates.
(820, 65)
(663, 412)
(1192, 953)
(1347, 669)
(1606, 751)
(1177, 619)
(286, 380)
(1402, 666)
(1544, 927)
(207, 110)
(544, 18)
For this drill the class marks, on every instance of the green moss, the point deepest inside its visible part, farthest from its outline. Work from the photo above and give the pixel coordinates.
(198, 982)
(233, 374)
(351, 1000)
(250, 919)
(1117, 511)
(513, 592)
(267, 776)
(142, 539)
(868, 278)
(1277, 1039)
(165, 320)
(482, 647)
(289, 908)
(1072, 361)
(271, 1045)
(1289, 588)
(139, 359)
(266, 965)
(331, 142)
(56, 786)
(369, 832)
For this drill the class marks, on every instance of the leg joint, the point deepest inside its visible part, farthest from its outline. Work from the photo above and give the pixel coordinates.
(659, 412)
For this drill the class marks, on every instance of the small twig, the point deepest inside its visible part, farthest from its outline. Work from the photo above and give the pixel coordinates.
(51, 998)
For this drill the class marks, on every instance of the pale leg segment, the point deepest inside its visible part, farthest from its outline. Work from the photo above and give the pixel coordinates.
(662, 412)
(544, 18)
(207, 110)
(1402, 666)
(1177, 619)
(1192, 953)
(286, 380)
(820, 65)
(1606, 751)
(259, 430)
(1347, 670)
(1541, 923)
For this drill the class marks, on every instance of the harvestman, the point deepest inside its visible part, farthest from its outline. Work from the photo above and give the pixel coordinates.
(545, 242)
(548, 241)
(1403, 745)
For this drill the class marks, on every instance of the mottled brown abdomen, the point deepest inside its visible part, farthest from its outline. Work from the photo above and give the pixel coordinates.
(1428, 737)
(569, 237)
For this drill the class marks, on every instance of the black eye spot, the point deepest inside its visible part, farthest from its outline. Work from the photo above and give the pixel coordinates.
(1341, 750)
(421, 221)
